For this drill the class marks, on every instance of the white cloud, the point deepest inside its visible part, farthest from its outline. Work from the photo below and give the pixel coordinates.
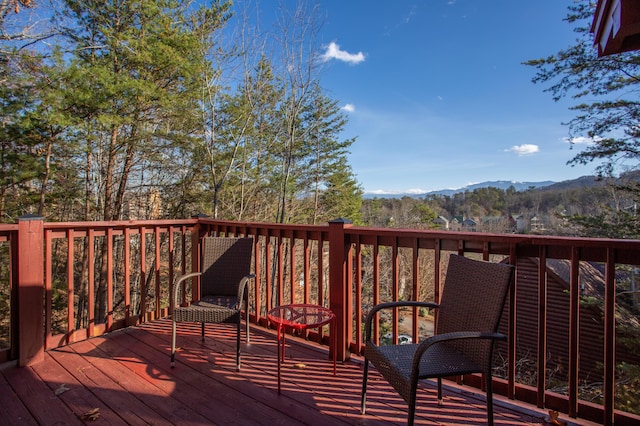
(349, 107)
(334, 52)
(582, 140)
(411, 191)
(524, 149)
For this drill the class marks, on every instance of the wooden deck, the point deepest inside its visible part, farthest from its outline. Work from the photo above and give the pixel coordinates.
(125, 378)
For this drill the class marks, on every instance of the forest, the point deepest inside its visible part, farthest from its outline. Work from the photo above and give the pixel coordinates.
(165, 109)
(560, 209)
(154, 109)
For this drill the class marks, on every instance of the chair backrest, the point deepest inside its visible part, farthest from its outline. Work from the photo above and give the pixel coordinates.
(473, 298)
(225, 261)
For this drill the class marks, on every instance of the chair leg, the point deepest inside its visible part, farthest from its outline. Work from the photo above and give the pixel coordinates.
(440, 401)
(365, 374)
(238, 342)
(173, 344)
(412, 400)
(203, 332)
(246, 318)
(489, 399)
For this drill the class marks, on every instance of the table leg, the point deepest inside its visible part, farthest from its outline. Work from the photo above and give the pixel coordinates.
(334, 337)
(279, 354)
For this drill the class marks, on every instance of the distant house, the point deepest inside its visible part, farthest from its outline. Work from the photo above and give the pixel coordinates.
(455, 224)
(469, 225)
(142, 206)
(536, 224)
(459, 223)
(494, 224)
(442, 222)
(517, 223)
(591, 320)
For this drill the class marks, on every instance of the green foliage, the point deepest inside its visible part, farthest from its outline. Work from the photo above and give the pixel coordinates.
(606, 93)
(135, 107)
(609, 224)
(627, 391)
(557, 208)
(342, 197)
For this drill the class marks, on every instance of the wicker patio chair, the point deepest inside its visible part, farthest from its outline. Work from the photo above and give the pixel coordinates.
(224, 283)
(468, 315)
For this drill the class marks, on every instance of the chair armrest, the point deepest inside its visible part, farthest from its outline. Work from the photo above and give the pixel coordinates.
(177, 286)
(448, 337)
(390, 305)
(244, 282)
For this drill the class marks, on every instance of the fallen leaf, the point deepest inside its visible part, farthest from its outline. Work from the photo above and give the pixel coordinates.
(91, 415)
(62, 389)
(554, 420)
(299, 365)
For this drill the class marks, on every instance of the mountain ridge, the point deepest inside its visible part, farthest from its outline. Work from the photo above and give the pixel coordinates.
(500, 184)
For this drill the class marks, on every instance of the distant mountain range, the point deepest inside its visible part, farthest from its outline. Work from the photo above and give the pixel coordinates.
(500, 184)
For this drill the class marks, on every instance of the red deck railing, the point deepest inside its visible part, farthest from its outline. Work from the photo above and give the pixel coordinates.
(91, 278)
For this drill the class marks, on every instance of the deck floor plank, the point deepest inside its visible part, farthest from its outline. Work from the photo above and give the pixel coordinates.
(38, 398)
(111, 393)
(112, 365)
(256, 367)
(127, 375)
(196, 387)
(74, 394)
(11, 407)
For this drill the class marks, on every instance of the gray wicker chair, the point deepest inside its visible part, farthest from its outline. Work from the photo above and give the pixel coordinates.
(224, 283)
(468, 315)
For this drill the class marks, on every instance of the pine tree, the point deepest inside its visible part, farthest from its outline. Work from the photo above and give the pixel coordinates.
(135, 71)
(607, 115)
(133, 83)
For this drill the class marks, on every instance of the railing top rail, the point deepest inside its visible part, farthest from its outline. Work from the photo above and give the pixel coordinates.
(119, 224)
(8, 227)
(517, 239)
(262, 225)
(505, 239)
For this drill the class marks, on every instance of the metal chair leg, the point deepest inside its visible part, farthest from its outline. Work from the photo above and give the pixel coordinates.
(173, 344)
(365, 374)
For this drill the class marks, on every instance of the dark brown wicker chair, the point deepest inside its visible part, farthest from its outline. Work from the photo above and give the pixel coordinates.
(472, 299)
(224, 283)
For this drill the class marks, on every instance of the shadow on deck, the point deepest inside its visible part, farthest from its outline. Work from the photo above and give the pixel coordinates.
(124, 377)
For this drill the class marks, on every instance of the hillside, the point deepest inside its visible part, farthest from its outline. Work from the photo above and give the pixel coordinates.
(539, 207)
(500, 184)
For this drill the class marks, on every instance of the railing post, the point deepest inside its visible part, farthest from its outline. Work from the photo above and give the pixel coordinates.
(196, 252)
(338, 298)
(30, 290)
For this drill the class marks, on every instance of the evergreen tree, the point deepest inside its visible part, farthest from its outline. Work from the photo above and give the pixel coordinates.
(329, 178)
(342, 196)
(607, 88)
(133, 85)
(135, 69)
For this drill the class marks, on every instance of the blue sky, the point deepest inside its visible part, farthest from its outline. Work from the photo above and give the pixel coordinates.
(437, 95)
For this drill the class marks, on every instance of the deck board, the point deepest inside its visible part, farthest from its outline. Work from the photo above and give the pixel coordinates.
(126, 375)
(37, 398)
(12, 407)
(78, 398)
